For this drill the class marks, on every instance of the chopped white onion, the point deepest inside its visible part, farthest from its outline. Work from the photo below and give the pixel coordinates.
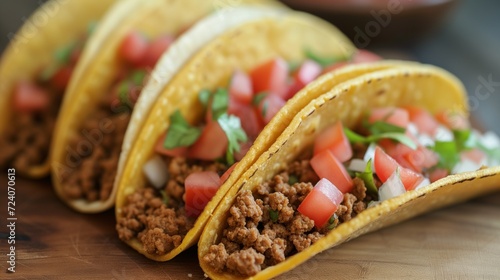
(490, 140)
(392, 187)
(424, 183)
(443, 134)
(465, 166)
(370, 154)
(155, 170)
(372, 203)
(412, 129)
(425, 140)
(357, 165)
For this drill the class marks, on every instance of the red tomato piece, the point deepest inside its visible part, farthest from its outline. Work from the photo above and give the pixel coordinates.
(424, 121)
(240, 88)
(249, 117)
(437, 174)
(363, 56)
(177, 152)
(271, 77)
(386, 165)
(133, 48)
(334, 139)
(454, 121)
(155, 50)
(211, 145)
(321, 203)
(392, 115)
(269, 107)
(61, 78)
(228, 172)
(200, 188)
(327, 166)
(420, 158)
(29, 97)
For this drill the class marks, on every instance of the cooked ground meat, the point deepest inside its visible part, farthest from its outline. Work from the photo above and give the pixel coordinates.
(26, 141)
(157, 218)
(259, 237)
(94, 177)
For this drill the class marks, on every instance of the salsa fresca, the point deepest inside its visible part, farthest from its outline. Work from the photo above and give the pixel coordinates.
(35, 104)
(93, 179)
(193, 161)
(393, 151)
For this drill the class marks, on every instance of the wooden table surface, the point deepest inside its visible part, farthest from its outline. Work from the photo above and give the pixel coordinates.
(54, 242)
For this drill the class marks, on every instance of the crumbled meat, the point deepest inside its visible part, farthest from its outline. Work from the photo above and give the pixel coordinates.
(252, 232)
(245, 262)
(160, 227)
(26, 141)
(93, 178)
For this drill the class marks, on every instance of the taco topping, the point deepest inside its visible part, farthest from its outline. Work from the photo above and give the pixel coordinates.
(234, 117)
(393, 151)
(93, 178)
(35, 104)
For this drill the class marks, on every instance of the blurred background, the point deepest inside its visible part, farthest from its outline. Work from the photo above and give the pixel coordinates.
(460, 36)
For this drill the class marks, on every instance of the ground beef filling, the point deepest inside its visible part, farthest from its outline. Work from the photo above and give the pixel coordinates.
(157, 218)
(264, 227)
(26, 141)
(94, 176)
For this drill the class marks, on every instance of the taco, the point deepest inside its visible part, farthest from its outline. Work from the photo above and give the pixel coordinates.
(35, 70)
(370, 152)
(181, 163)
(98, 106)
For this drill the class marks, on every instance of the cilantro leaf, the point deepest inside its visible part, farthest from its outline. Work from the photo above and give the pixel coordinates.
(63, 54)
(180, 133)
(379, 127)
(464, 139)
(333, 221)
(204, 97)
(448, 153)
(220, 102)
(137, 77)
(397, 136)
(123, 93)
(294, 65)
(367, 177)
(165, 197)
(323, 61)
(231, 126)
(273, 215)
(258, 98)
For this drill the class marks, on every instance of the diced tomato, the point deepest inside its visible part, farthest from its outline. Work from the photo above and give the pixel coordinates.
(200, 187)
(321, 203)
(240, 88)
(61, 78)
(250, 120)
(327, 166)
(475, 155)
(392, 115)
(334, 139)
(271, 77)
(177, 152)
(437, 174)
(424, 121)
(211, 145)
(29, 97)
(454, 121)
(386, 165)
(362, 56)
(307, 72)
(244, 148)
(335, 66)
(228, 172)
(420, 158)
(269, 107)
(155, 50)
(133, 48)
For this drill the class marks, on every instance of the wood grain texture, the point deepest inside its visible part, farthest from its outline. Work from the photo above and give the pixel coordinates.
(54, 242)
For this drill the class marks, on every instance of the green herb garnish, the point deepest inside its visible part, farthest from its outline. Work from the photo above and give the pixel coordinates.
(293, 66)
(258, 98)
(123, 93)
(204, 97)
(367, 177)
(323, 61)
(273, 215)
(333, 221)
(448, 154)
(165, 197)
(220, 102)
(231, 126)
(137, 77)
(63, 54)
(380, 127)
(180, 133)
(397, 136)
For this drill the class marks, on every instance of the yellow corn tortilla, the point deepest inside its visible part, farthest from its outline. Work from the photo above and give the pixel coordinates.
(55, 24)
(242, 47)
(418, 85)
(96, 76)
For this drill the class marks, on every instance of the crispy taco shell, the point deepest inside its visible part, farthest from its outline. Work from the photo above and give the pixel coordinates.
(54, 24)
(96, 76)
(418, 85)
(243, 47)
